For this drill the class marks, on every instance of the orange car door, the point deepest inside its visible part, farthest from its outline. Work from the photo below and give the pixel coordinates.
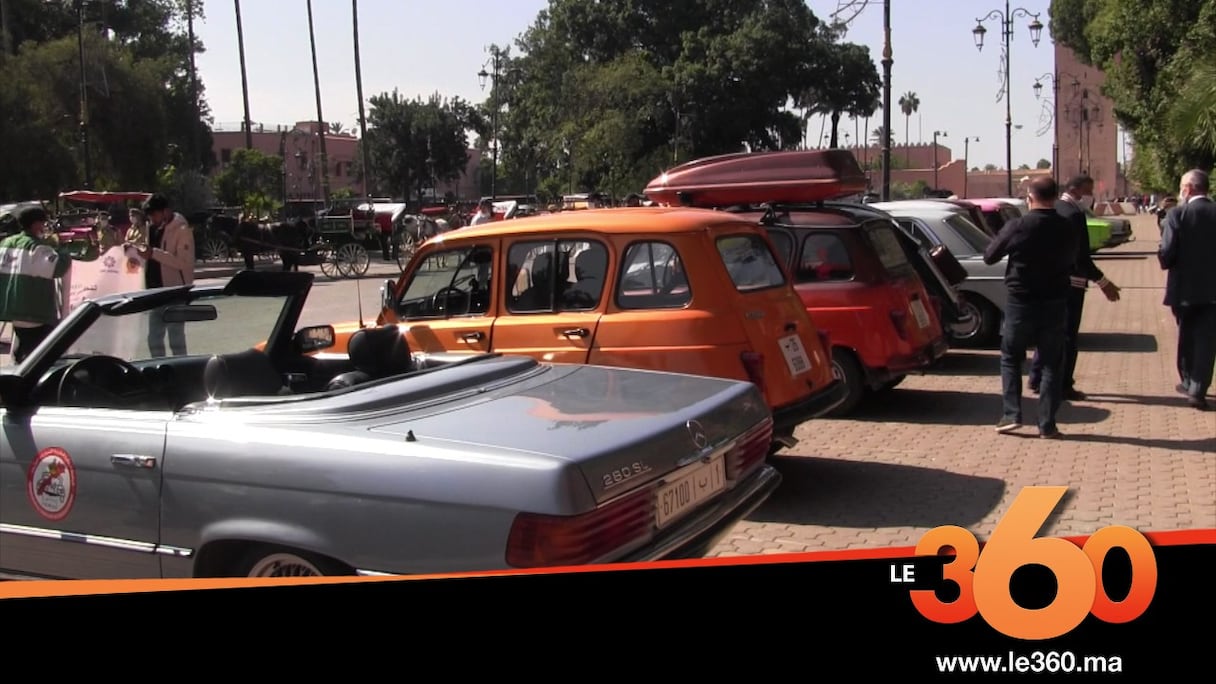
(552, 298)
(447, 304)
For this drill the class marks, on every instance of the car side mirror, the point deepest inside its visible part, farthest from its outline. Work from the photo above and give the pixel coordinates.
(314, 338)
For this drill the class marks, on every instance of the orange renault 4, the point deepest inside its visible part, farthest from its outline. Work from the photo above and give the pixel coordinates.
(857, 280)
(668, 289)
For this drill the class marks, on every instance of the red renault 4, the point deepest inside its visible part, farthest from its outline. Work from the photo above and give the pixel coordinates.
(856, 276)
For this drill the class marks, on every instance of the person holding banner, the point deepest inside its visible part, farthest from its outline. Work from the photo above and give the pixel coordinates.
(30, 264)
(169, 255)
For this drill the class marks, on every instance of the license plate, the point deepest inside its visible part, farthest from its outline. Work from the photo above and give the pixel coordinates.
(681, 496)
(795, 354)
(922, 316)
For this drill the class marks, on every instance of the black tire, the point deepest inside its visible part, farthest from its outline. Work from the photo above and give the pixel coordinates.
(279, 561)
(889, 385)
(846, 369)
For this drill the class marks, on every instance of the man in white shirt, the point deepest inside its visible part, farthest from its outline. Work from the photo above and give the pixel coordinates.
(485, 213)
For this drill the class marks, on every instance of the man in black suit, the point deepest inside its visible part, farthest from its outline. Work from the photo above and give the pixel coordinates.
(1073, 205)
(1041, 252)
(1188, 254)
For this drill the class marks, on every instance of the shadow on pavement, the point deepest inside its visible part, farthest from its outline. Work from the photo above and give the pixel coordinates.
(961, 363)
(1120, 257)
(929, 407)
(1173, 401)
(836, 493)
(1203, 446)
(1117, 342)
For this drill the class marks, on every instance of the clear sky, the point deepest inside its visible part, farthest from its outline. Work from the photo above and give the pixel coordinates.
(421, 48)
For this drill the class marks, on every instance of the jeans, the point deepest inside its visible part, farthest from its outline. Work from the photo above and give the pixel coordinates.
(1196, 347)
(1076, 305)
(1042, 323)
(157, 328)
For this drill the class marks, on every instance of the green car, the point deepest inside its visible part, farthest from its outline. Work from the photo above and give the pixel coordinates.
(1099, 233)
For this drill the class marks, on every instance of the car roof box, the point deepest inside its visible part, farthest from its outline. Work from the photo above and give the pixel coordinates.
(754, 178)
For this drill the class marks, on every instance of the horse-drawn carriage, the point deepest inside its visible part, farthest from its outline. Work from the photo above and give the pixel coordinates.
(87, 215)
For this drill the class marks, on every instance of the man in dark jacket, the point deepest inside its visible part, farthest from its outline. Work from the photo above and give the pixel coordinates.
(1072, 205)
(1042, 251)
(1188, 253)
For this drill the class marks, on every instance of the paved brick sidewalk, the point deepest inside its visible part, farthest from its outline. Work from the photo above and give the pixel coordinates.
(928, 455)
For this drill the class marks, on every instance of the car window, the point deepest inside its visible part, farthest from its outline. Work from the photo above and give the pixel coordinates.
(555, 275)
(652, 277)
(824, 257)
(995, 220)
(750, 263)
(240, 323)
(886, 244)
(450, 283)
(917, 232)
(969, 232)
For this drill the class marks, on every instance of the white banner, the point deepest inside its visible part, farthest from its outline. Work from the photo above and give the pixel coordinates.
(114, 272)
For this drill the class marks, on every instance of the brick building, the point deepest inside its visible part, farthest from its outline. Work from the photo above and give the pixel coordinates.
(300, 146)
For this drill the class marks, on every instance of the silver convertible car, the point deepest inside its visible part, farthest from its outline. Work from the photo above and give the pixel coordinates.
(259, 450)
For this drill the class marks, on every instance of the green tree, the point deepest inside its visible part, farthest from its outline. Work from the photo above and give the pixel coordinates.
(852, 86)
(1043, 164)
(249, 178)
(417, 143)
(1149, 51)
(610, 93)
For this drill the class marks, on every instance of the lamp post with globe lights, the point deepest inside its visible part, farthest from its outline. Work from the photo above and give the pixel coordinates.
(495, 63)
(1055, 114)
(1006, 22)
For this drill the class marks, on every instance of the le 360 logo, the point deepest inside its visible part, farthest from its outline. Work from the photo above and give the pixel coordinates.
(984, 579)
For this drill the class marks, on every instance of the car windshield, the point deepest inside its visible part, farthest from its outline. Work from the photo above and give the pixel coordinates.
(969, 232)
(228, 324)
(750, 262)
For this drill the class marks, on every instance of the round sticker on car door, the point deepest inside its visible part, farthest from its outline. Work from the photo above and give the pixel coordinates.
(52, 483)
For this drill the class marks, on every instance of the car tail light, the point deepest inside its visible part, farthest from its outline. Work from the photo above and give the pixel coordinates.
(548, 540)
(900, 320)
(753, 364)
(749, 451)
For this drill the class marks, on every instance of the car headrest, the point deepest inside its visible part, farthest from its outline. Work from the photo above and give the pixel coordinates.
(380, 352)
(247, 373)
(590, 263)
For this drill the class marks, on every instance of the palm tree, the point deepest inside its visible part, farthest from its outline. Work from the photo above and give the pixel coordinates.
(240, 41)
(1195, 114)
(908, 104)
(316, 79)
(877, 135)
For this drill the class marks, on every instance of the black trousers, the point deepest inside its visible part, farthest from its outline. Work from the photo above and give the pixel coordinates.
(25, 340)
(1076, 306)
(1196, 347)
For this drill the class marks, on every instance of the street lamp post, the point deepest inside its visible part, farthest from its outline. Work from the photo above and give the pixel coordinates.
(966, 164)
(887, 61)
(494, 62)
(1006, 22)
(936, 134)
(84, 99)
(1055, 115)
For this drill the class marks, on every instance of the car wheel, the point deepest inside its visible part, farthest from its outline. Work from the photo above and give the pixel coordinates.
(890, 384)
(275, 562)
(847, 370)
(979, 325)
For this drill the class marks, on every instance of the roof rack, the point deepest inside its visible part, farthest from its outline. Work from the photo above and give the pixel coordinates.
(757, 178)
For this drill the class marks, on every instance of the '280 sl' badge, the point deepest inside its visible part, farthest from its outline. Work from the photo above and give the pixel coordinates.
(52, 483)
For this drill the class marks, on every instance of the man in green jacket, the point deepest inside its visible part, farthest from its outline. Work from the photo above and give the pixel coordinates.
(30, 264)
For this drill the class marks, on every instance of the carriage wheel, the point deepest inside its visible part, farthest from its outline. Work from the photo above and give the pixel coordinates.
(214, 249)
(407, 244)
(353, 260)
(331, 263)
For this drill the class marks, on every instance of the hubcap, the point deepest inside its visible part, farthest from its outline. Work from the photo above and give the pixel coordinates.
(970, 326)
(284, 565)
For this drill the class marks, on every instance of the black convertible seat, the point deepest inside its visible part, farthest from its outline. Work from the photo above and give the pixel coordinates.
(243, 374)
(375, 353)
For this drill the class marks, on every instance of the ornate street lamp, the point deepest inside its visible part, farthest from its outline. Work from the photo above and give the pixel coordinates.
(936, 134)
(494, 62)
(1006, 22)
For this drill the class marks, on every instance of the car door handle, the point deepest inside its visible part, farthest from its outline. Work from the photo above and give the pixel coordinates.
(576, 332)
(133, 461)
(472, 336)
